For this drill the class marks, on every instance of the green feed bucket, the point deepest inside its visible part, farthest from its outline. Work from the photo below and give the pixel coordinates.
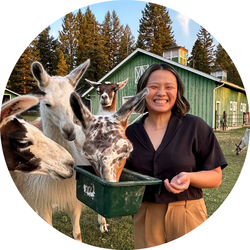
(112, 199)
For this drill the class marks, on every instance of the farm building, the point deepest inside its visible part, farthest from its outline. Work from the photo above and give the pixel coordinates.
(8, 95)
(205, 93)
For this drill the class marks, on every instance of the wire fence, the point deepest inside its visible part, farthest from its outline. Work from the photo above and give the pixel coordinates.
(225, 121)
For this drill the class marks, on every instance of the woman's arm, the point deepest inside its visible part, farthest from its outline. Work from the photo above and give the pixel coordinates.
(202, 179)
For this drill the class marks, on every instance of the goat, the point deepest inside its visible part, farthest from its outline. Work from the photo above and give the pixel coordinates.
(106, 146)
(25, 147)
(107, 93)
(43, 193)
(244, 142)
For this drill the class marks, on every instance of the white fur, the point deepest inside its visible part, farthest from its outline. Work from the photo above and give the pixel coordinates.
(244, 141)
(54, 160)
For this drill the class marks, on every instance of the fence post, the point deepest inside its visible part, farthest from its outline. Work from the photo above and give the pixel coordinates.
(224, 120)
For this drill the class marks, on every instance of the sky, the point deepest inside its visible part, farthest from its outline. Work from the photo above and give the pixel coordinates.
(129, 12)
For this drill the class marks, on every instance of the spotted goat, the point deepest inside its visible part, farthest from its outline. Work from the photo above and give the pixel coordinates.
(106, 146)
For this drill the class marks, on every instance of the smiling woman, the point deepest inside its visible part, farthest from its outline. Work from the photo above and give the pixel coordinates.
(169, 145)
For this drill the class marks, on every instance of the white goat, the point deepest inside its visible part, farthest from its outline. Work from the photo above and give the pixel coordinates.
(25, 147)
(244, 141)
(42, 192)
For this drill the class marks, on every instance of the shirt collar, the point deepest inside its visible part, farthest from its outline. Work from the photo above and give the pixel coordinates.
(172, 128)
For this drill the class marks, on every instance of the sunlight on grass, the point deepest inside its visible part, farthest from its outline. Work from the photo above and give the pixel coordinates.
(120, 235)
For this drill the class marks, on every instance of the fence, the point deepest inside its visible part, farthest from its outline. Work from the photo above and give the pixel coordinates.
(225, 121)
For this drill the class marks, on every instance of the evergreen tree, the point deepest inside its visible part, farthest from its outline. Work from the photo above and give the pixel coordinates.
(127, 45)
(198, 60)
(106, 36)
(202, 55)
(21, 79)
(116, 35)
(47, 51)
(118, 42)
(62, 67)
(90, 46)
(224, 60)
(155, 31)
(207, 44)
(68, 38)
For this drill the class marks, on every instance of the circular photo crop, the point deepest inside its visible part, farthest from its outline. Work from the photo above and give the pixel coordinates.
(124, 125)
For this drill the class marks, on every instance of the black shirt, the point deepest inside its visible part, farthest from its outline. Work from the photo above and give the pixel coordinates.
(189, 145)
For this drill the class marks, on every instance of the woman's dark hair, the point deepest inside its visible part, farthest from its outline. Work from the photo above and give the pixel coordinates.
(181, 106)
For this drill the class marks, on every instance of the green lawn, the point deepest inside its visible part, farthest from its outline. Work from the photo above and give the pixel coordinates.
(120, 235)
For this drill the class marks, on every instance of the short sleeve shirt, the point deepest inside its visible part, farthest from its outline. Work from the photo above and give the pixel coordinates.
(189, 145)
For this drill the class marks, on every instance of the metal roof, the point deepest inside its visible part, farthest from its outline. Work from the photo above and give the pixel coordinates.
(162, 59)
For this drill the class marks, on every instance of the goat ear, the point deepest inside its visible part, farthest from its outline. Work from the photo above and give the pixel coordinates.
(18, 105)
(80, 110)
(40, 75)
(93, 84)
(75, 75)
(128, 107)
(120, 85)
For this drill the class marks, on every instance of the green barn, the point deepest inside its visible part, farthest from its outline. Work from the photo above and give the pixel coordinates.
(8, 95)
(200, 88)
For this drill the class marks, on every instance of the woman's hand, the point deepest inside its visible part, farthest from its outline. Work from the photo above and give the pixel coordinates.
(178, 184)
(201, 179)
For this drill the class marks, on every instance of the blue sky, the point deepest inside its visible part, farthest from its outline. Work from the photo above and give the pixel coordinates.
(129, 12)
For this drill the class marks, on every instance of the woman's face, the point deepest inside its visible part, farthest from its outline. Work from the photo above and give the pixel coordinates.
(162, 95)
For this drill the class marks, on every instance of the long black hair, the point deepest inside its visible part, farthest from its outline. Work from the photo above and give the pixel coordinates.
(181, 106)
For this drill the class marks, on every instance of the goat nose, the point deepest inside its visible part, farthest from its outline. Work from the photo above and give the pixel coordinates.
(104, 97)
(69, 133)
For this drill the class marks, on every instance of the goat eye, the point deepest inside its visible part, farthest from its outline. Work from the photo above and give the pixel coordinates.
(48, 105)
(21, 143)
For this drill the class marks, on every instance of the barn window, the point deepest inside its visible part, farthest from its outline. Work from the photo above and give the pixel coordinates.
(243, 107)
(139, 71)
(125, 99)
(6, 98)
(231, 106)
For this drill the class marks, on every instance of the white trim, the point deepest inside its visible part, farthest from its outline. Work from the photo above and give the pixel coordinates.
(12, 92)
(213, 119)
(139, 70)
(231, 106)
(126, 97)
(241, 107)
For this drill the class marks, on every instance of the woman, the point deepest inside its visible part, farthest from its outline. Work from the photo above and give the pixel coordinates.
(178, 148)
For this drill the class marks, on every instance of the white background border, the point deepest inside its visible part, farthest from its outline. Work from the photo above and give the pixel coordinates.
(22, 21)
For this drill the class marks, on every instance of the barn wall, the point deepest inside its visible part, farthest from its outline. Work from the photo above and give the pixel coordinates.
(198, 89)
(225, 95)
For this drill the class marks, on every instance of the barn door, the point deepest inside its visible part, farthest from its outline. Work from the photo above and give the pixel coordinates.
(218, 115)
(234, 113)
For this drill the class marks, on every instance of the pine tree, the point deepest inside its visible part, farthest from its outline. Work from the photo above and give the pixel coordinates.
(68, 38)
(202, 55)
(207, 44)
(47, 51)
(106, 36)
(127, 45)
(224, 60)
(90, 46)
(21, 79)
(116, 35)
(155, 31)
(198, 60)
(62, 67)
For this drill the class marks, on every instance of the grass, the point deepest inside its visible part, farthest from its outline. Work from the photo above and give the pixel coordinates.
(120, 235)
